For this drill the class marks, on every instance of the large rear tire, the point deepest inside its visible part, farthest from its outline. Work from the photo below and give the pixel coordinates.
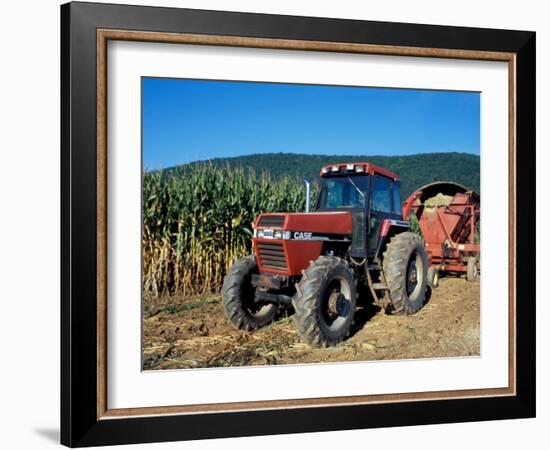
(405, 268)
(238, 297)
(325, 302)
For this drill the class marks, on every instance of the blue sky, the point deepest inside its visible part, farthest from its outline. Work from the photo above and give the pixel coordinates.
(189, 120)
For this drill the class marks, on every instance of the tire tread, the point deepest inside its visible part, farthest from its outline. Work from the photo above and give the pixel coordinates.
(307, 301)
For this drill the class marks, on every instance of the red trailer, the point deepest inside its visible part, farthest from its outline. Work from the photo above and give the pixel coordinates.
(448, 216)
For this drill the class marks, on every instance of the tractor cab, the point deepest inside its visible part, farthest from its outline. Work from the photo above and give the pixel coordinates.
(370, 193)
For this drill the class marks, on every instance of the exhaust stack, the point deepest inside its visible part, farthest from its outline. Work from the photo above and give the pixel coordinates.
(308, 189)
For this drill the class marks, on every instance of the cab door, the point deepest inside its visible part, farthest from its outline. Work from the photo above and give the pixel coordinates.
(381, 207)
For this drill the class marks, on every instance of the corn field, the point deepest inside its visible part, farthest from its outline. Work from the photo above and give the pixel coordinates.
(197, 220)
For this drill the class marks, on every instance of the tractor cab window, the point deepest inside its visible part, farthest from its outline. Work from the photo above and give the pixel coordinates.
(382, 200)
(348, 192)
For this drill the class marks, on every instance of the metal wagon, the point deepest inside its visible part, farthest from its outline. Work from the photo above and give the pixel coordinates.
(448, 217)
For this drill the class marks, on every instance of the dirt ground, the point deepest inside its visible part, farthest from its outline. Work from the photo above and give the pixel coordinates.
(181, 332)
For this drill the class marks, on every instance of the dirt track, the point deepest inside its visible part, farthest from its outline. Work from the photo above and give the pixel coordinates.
(182, 333)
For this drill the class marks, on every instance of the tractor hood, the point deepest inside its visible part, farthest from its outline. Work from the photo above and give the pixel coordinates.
(303, 226)
(285, 244)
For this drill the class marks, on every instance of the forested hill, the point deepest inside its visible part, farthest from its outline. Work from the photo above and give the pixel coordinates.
(413, 170)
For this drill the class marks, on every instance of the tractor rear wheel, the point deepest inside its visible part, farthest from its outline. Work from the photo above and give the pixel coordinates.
(325, 302)
(471, 269)
(238, 295)
(405, 268)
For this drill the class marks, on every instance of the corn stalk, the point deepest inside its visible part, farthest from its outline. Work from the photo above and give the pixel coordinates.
(197, 220)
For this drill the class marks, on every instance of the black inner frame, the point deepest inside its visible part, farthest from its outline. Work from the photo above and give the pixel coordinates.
(79, 424)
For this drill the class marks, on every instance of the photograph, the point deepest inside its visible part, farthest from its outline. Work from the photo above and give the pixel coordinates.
(270, 224)
(304, 224)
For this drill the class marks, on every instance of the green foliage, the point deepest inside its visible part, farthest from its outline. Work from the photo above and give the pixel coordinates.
(414, 171)
(197, 220)
(415, 225)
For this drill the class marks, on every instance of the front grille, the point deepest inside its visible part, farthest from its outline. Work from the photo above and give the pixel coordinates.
(271, 221)
(272, 256)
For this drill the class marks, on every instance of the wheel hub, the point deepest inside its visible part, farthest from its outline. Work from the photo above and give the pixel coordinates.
(412, 277)
(336, 303)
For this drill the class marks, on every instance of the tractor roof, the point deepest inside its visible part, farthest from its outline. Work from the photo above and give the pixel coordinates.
(358, 168)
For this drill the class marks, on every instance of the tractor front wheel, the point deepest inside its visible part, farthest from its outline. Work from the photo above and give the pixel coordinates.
(405, 268)
(325, 302)
(238, 297)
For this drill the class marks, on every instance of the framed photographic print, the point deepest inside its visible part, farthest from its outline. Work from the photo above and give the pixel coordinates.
(276, 224)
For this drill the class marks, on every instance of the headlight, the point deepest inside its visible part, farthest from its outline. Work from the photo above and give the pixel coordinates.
(272, 234)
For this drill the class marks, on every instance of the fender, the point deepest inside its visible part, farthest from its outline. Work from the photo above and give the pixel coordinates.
(389, 228)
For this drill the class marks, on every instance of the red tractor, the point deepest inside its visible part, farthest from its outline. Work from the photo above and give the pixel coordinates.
(314, 261)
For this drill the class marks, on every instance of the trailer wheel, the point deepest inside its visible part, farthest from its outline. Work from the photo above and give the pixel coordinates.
(433, 277)
(405, 268)
(472, 272)
(325, 302)
(238, 297)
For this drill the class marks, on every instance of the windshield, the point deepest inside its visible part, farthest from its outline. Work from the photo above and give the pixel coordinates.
(343, 192)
